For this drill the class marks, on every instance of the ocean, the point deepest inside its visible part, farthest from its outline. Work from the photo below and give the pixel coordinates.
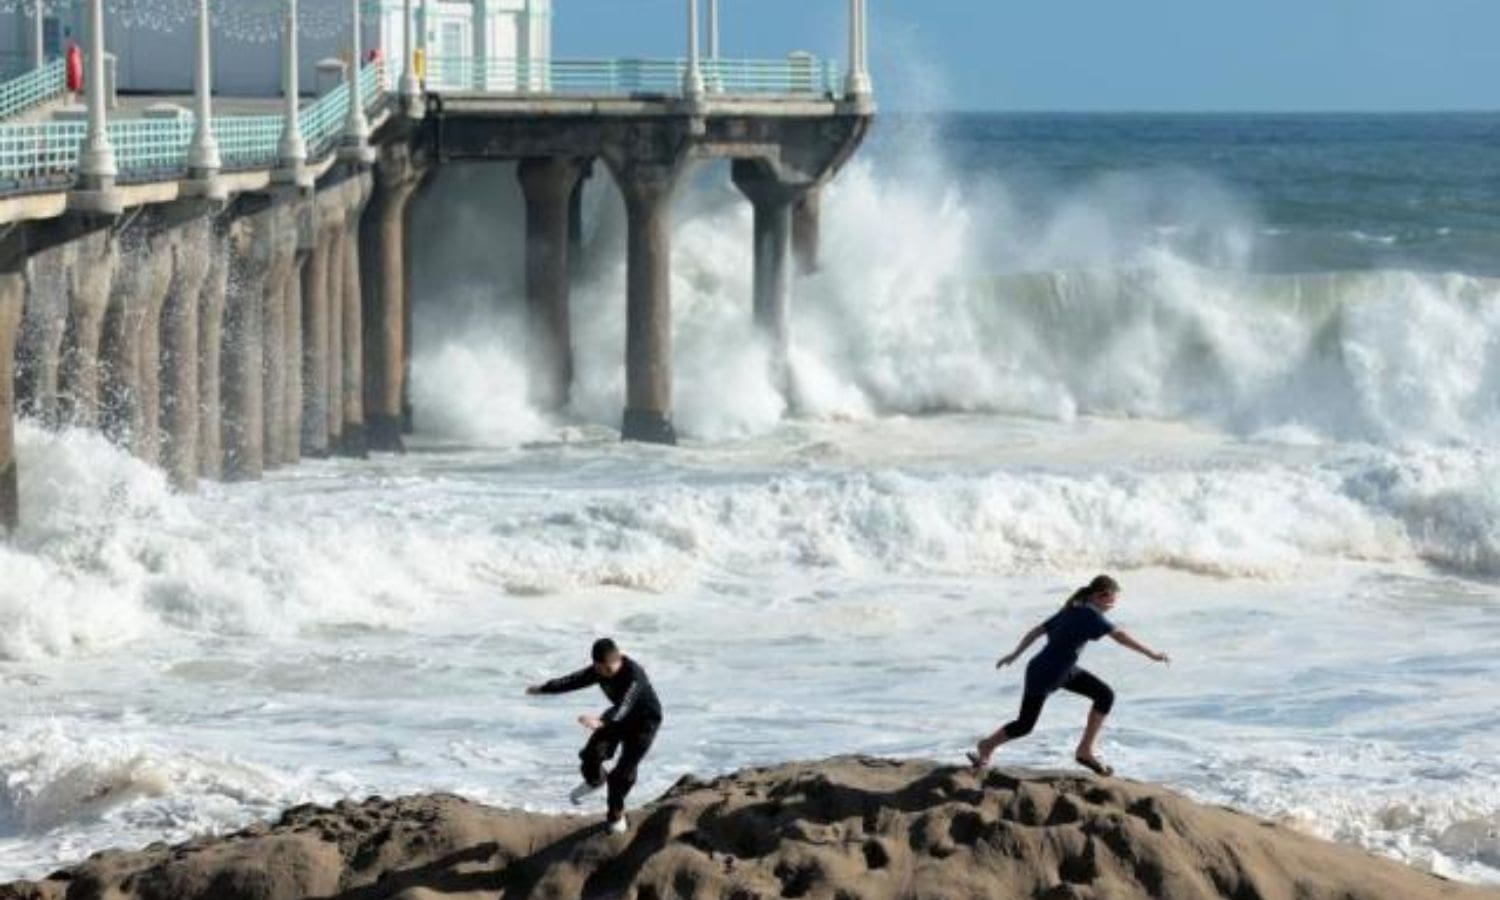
(1249, 365)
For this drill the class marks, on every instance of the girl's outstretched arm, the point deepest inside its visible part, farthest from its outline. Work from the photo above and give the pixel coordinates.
(1123, 638)
(1027, 641)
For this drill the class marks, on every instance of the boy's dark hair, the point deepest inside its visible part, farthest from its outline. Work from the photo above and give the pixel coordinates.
(604, 648)
(1100, 585)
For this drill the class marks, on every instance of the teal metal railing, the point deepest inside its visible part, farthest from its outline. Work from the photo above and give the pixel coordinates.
(38, 155)
(797, 75)
(45, 154)
(322, 123)
(32, 88)
(248, 142)
(151, 149)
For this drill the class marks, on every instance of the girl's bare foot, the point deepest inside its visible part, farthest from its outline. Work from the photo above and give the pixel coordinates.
(1092, 763)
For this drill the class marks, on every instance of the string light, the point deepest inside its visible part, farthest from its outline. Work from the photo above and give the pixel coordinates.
(248, 21)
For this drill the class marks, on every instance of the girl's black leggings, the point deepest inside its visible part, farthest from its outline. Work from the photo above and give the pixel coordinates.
(1080, 682)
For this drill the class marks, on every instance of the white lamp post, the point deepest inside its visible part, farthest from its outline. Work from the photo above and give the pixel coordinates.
(423, 37)
(293, 150)
(96, 163)
(409, 86)
(713, 30)
(859, 86)
(481, 73)
(203, 155)
(692, 82)
(356, 126)
(39, 32)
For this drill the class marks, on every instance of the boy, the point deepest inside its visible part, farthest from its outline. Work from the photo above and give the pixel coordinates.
(630, 725)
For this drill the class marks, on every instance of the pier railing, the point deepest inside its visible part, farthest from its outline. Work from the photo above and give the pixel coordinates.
(31, 88)
(796, 75)
(42, 155)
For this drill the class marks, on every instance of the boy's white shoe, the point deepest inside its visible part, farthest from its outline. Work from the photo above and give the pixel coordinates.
(580, 793)
(619, 826)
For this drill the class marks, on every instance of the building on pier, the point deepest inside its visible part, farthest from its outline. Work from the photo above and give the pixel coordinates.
(159, 58)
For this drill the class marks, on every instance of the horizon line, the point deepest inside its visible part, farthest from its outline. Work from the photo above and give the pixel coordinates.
(1146, 111)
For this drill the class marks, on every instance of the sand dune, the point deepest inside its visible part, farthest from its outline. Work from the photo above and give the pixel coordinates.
(851, 828)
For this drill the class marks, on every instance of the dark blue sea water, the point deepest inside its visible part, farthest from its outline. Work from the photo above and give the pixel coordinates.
(1319, 192)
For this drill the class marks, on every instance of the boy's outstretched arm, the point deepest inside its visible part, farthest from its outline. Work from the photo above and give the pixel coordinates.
(1123, 638)
(579, 680)
(1026, 641)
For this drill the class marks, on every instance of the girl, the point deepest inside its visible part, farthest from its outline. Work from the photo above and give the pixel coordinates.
(1079, 621)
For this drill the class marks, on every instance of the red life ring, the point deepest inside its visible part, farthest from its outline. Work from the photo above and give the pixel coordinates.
(75, 68)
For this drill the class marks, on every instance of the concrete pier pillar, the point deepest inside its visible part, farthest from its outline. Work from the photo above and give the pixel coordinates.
(408, 414)
(333, 354)
(549, 185)
(773, 234)
(291, 295)
(575, 218)
(130, 352)
(89, 287)
(274, 356)
(273, 364)
(807, 228)
(12, 297)
(773, 198)
(384, 254)
(243, 358)
(43, 323)
(648, 188)
(180, 406)
(148, 441)
(315, 339)
(354, 441)
(211, 302)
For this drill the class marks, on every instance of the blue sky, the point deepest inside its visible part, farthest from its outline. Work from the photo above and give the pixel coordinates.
(1105, 54)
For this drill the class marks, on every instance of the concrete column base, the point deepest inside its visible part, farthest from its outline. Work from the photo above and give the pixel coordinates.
(98, 198)
(648, 427)
(383, 433)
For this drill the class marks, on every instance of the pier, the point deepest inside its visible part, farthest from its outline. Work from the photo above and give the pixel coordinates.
(225, 288)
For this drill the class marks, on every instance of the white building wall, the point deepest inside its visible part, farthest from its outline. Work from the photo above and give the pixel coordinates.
(13, 28)
(18, 31)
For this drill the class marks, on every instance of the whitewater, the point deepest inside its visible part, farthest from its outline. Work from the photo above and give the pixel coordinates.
(1003, 383)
